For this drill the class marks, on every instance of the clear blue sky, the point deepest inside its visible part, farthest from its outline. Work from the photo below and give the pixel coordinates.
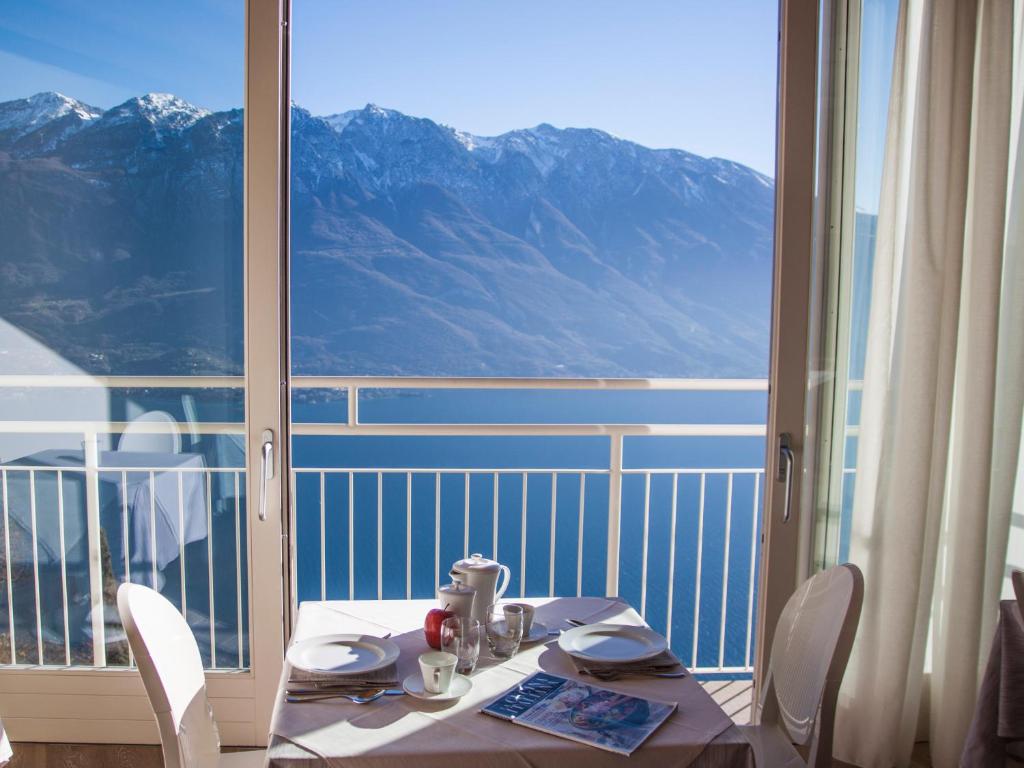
(693, 74)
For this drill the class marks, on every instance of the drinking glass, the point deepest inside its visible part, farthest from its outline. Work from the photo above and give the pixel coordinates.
(504, 629)
(461, 636)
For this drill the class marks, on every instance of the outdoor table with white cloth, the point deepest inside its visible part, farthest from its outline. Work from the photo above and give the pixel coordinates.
(405, 731)
(174, 487)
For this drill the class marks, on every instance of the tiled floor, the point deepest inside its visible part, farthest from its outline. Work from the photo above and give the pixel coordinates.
(734, 696)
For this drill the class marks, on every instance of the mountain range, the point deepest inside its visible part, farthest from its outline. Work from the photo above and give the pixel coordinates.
(417, 248)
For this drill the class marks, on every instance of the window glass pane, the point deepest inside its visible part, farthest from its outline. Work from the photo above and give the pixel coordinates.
(120, 283)
(575, 190)
(854, 261)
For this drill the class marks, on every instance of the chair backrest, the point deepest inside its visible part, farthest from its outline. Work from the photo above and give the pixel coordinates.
(5, 746)
(811, 647)
(1017, 579)
(172, 671)
(135, 439)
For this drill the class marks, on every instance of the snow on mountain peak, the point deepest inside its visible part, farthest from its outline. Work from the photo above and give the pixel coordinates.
(26, 115)
(341, 120)
(379, 112)
(162, 110)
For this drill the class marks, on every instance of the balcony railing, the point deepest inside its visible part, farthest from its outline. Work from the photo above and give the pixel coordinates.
(680, 542)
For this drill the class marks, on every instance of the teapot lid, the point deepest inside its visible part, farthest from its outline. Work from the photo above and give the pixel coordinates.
(456, 586)
(476, 563)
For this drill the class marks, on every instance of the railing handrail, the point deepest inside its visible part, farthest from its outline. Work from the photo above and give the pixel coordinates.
(386, 382)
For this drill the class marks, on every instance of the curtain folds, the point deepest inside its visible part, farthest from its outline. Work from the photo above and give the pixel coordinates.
(940, 422)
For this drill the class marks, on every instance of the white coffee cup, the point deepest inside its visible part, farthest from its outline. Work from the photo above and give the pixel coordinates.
(437, 668)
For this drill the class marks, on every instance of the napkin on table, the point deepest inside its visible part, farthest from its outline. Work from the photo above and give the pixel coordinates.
(301, 680)
(666, 661)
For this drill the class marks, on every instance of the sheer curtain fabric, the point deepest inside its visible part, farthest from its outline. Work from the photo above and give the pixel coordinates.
(944, 381)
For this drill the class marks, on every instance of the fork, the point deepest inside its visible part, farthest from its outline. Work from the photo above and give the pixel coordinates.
(294, 699)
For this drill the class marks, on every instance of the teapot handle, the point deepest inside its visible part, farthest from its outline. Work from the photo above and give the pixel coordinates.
(504, 584)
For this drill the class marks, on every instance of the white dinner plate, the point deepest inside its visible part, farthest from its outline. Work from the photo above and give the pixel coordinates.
(342, 654)
(538, 631)
(460, 686)
(612, 642)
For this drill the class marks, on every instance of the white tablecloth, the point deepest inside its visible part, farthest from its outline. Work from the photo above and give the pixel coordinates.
(405, 732)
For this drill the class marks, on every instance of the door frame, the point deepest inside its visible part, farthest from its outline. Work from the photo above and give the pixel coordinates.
(266, 334)
(785, 542)
(100, 705)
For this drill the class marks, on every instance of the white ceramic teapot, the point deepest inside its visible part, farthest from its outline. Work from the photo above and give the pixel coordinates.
(481, 574)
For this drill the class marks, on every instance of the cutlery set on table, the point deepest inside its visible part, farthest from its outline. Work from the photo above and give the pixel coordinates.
(362, 668)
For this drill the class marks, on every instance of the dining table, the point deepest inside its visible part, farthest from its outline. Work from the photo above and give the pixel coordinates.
(404, 731)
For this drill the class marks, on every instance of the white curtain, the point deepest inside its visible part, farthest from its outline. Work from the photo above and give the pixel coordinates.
(944, 383)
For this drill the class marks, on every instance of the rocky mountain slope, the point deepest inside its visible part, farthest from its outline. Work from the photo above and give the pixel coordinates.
(417, 248)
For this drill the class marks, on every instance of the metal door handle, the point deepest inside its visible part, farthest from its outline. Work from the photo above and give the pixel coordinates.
(266, 469)
(785, 472)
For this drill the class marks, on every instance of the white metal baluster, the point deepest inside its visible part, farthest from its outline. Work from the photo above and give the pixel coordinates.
(465, 523)
(35, 563)
(671, 558)
(725, 572)
(554, 527)
(614, 516)
(494, 546)
(753, 560)
(94, 536)
(181, 542)
(380, 535)
(323, 537)
(7, 564)
(238, 570)
(351, 535)
(700, 554)
(152, 529)
(522, 538)
(643, 561)
(408, 535)
(126, 545)
(579, 535)
(437, 527)
(209, 565)
(63, 566)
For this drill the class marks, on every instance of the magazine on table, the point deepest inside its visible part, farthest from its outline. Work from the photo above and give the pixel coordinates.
(581, 712)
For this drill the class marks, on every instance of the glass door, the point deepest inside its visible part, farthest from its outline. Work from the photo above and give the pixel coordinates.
(531, 286)
(133, 398)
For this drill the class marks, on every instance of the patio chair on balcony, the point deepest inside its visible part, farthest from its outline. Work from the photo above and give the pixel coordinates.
(138, 441)
(5, 747)
(812, 644)
(172, 672)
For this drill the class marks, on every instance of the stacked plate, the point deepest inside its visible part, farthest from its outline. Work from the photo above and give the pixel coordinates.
(612, 643)
(611, 651)
(353, 665)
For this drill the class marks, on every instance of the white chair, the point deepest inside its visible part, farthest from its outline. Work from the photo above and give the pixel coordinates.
(172, 671)
(136, 440)
(809, 654)
(5, 747)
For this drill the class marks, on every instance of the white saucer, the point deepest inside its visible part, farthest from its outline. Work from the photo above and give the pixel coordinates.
(460, 686)
(538, 631)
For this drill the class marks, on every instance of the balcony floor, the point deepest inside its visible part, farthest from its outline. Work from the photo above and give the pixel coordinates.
(734, 696)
